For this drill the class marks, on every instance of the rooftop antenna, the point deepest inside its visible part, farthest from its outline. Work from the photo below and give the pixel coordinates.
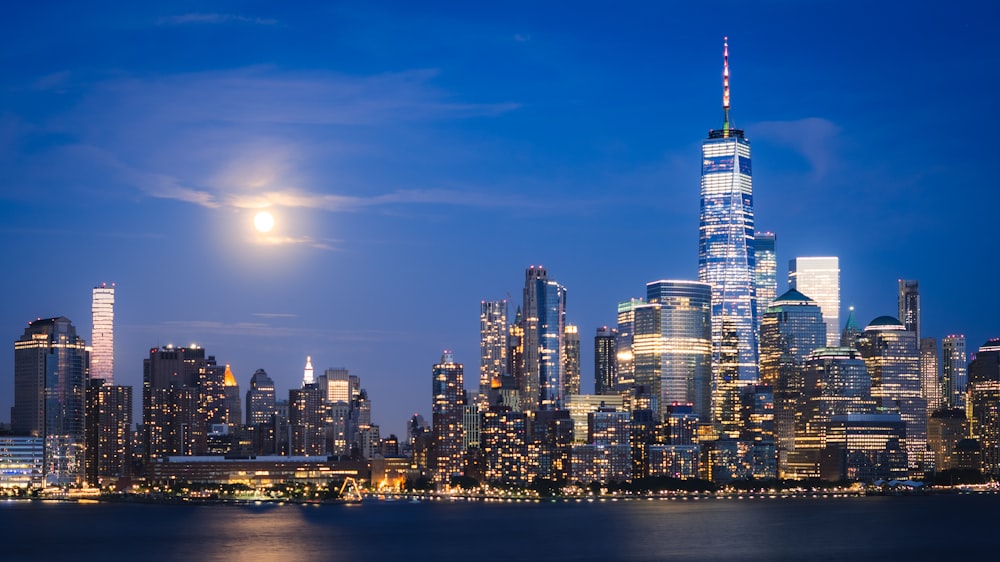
(725, 86)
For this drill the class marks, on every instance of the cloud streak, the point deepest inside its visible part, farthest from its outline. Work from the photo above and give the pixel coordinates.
(203, 18)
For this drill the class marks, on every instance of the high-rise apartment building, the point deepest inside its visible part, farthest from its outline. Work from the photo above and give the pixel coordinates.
(819, 279)
(102, 335)
(448, 393)
(766, 260)
(544, 324)
(571, 360)
(50, 367)
(178, 390)
(305, 419)
(909, 305)
(726, 246)
(893, 361)
(954, 371)
(673, 349)
(791, 329)
(493, 334)
(605, 360)
(260, 398)
(108, 431)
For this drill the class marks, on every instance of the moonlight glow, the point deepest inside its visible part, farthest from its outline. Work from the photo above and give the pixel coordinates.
(263, 221)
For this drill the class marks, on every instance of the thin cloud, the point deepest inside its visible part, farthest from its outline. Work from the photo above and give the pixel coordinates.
(814, 138)
(275, 315)
(200, 18)
(307, 241)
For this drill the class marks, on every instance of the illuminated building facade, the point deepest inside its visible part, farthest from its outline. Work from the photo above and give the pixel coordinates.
(172, 409)
(672, 347)
(504, 445)
(674, 461)
(605, 361)
(571, 360)
(108, 431)
(891, 355)
(625, 367)
(493, 334)
(792, 327)
(984, 403)
(447, 410)
(50, 367)
(102, 335)
(260, 398)
(909, 305)
(22, 462)
(866, 448)
(544, 324)
(954, 371)
(726, 253)
(945, 429)
(580, 407)
(835, 381)
(819, 279)
(766, 274)
(606, 457)
(306, 420)
(930, 374)
(233, 408)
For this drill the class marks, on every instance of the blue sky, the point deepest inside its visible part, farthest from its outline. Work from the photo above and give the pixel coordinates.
(418, 157)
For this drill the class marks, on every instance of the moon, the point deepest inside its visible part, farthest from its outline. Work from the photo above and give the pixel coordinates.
(263, 221)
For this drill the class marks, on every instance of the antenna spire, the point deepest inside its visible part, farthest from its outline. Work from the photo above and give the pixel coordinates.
(725, 86)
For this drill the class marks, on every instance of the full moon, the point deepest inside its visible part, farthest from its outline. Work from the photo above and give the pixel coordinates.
(263, 221)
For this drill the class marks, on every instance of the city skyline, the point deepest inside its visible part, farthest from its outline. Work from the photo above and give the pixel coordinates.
(134, 166)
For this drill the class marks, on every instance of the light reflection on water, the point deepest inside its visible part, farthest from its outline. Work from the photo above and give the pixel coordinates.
(916, 528)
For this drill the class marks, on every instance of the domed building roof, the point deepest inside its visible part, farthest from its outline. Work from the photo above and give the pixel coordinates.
(885, 323)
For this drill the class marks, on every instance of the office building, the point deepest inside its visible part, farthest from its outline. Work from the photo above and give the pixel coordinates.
(50, 367)
(766, 260)
(233, 408)
(173, 408)
(866, 448)
(102, 334)
(605, 361)
(306, 420)
(726, 247)
(672, 350)
(930, 374)
(580, 407)
(571, 360)
(623, 345)
(791, 329)
(984, 404)
(945, 429)
(22, 462)
(819, 279)
(544, 324)
(493, 335)
(260, 398)
(954, 371)
(909, 305)
(891, 355)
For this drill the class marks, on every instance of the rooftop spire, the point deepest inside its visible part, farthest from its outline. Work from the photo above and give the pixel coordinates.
(725, 86)
(307, 375)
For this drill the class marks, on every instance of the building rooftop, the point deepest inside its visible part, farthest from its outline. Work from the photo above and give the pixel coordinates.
(885, 323)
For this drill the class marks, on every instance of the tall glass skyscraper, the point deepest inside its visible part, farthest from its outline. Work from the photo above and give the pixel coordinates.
(623, 344)
(102, 336)
(605, 360)
(909, 305)
(819, 279)
(726, 247)
(766, 260)
(544, 324)
(954, 371)
(673, 347)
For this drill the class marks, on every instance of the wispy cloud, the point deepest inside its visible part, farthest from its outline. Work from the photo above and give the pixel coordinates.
(275, 315)
(814, 138)
(202, 18)
(307, 241)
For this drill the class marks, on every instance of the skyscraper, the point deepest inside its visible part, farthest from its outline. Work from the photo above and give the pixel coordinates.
(984, 399)
(930, 373)
(50, 366)
(233, 407)
(448, 392)
(791, 329)
(544, 323)
(174, 401)
(605, 361)
(726, 246)
(307, 373)
(909, 305)
(892, 357)
(819, 279)
(260, 399)
(766, 260)
(102, 336)
(305, 418)
(673, 348)
(571, 360)
(623, 345)
(108, 430)
(954, 371)
(493, 333)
